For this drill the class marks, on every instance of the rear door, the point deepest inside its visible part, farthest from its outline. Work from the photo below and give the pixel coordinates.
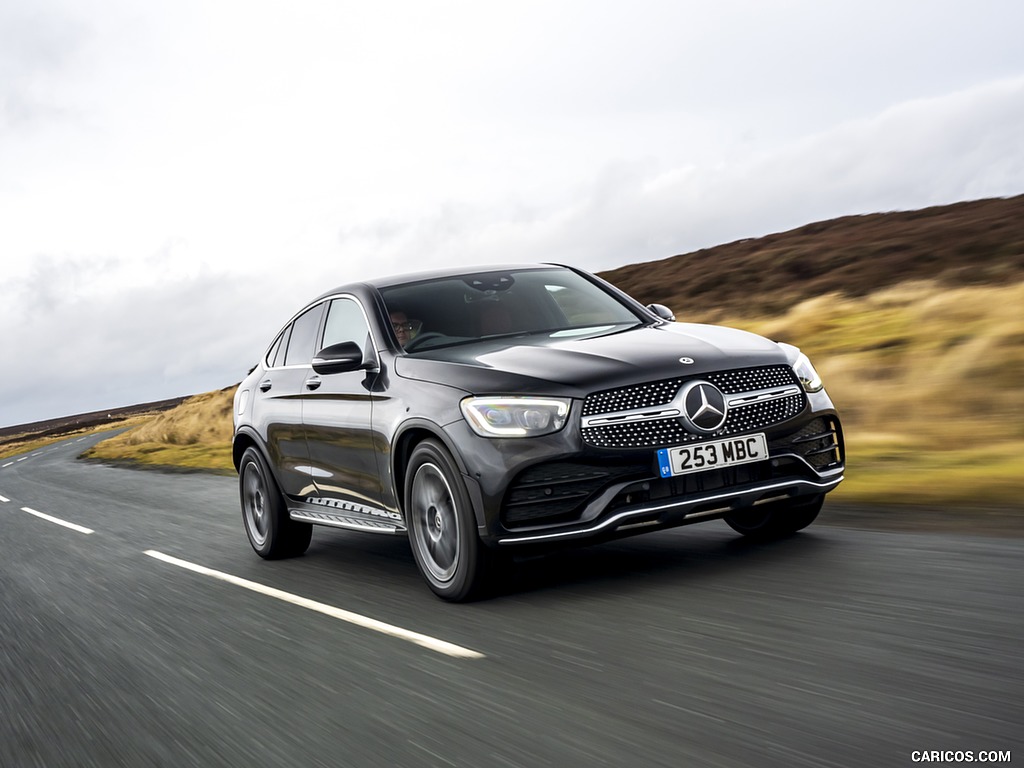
(278, 402)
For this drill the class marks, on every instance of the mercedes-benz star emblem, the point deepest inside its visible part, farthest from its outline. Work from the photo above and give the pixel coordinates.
(704, 408)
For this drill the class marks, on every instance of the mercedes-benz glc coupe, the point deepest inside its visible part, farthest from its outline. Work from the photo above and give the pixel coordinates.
(495, 410)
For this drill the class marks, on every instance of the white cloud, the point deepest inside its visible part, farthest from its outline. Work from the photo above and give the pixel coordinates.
(175, 180)
(965, 145)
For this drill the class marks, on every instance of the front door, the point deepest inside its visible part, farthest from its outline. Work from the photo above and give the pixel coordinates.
(337, 417)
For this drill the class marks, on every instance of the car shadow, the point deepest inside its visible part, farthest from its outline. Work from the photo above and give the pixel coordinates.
(675, 556)
(622, 566)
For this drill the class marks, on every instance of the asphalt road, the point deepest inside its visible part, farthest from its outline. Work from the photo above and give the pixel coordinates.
(835, 647)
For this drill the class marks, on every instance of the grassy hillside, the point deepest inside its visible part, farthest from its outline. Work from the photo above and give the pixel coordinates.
(930, 384)
(195, 435)
(29, 437)
(913, 319)
(975, 243)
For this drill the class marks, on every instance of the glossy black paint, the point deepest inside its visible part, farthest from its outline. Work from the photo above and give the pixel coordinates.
(339, 358)
(280, 390)
(576, 367)
(345, 436)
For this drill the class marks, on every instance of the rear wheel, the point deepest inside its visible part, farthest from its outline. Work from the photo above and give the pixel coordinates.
(777, 519)
(442, 526)
(272, 533)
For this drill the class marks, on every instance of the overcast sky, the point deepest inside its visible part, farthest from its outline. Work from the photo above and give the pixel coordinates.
(177, 178)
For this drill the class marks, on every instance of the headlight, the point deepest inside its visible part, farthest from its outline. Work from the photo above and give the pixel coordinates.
(514, 416)
(809, 377)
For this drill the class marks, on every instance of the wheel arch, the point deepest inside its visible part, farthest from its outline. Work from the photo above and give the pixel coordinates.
(246, 438)
(405, 441)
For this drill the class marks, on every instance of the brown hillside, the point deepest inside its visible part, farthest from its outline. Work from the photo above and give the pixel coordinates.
(973, 243)
(83, 421)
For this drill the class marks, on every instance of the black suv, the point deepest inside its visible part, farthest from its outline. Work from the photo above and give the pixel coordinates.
(490, 411)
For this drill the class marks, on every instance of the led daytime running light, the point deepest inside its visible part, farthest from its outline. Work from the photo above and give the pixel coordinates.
(514, 416)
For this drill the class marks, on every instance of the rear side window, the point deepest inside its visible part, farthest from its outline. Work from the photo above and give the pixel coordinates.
(275, 350)
(300, 345)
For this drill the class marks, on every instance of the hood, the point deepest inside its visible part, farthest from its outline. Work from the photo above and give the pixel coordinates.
(574, 367)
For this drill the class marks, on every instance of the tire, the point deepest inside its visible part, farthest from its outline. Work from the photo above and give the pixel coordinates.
(442, 526)
(272, 533)
(775, 520)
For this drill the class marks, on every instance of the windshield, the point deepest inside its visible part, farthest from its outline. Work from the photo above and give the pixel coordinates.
(487, 305)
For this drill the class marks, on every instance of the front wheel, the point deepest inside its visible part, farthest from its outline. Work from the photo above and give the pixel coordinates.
(442, 527)
(778, 519)
(272, 533)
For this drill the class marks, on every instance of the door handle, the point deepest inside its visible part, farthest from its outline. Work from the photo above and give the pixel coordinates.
(265, 385)
(313, 382)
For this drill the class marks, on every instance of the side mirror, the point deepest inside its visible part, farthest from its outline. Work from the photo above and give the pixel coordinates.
(662, 311)
(338, 358)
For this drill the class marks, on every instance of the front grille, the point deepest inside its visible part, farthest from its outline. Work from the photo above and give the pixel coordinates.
(668, 432)
(665, 433)
(559, 491)
(661, 392)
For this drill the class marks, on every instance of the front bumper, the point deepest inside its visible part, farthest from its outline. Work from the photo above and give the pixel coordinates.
(556, 489)
(696, 508)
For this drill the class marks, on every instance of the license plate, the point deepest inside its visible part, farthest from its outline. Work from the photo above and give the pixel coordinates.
(712, 455)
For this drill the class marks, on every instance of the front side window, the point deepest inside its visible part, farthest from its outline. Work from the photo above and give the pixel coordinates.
(345, 322)
(304, 328)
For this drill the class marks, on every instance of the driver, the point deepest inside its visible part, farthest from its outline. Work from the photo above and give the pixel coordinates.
(405, 329)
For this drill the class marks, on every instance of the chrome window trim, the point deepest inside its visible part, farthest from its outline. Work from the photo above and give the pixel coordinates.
(280, 331)
(374, 343)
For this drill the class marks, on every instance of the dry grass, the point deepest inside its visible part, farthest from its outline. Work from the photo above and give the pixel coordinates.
(929, 382)
(196, 435)
(17, 444)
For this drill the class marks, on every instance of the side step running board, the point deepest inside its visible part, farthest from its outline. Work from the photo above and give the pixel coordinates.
(341, 520)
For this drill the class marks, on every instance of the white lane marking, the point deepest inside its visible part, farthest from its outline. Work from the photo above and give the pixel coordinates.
(22, 458)
(58, 521)
(425, 641)
(4, 499)
(38, 453)
(7, 465)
